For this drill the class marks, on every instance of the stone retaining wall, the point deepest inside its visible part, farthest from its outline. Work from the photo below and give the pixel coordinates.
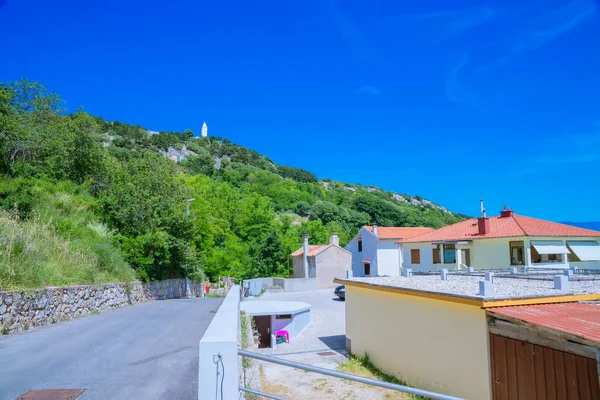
(21, 310)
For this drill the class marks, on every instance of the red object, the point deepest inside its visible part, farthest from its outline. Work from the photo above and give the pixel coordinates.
(512, 226)
(579, 319)
(207, 287)
(484, 225)
(506, 213)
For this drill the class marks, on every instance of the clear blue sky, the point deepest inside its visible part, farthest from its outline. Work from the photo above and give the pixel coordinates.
(499, 100)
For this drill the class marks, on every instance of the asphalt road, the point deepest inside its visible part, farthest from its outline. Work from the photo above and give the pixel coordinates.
(146, 351)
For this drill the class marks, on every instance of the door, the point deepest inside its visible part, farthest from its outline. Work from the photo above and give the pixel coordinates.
(525, 371)
(367, 269)
(263, 326)
(466, 257)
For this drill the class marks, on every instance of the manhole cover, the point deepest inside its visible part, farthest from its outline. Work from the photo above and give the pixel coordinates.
(327, 353)
(52, 394)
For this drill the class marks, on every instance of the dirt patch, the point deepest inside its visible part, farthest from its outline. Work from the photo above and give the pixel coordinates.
(296, 384)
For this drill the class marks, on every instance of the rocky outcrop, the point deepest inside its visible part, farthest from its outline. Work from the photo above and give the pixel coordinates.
(22, 310)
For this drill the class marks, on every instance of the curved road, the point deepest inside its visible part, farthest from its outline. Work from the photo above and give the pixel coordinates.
(146, 351)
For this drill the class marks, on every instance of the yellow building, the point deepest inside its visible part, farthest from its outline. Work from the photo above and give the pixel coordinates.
(434, 334)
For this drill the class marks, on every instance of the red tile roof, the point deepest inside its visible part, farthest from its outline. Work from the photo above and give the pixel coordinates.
(392, 232)
(312, 250)
(511, 226)
(579, 319)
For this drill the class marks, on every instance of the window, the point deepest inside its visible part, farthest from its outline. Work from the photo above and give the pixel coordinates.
(548, 252)
(436, 255)
(449, 254)
(517, 253)
(367, 269)
(415, 256)
(283, 316)
(360, 245)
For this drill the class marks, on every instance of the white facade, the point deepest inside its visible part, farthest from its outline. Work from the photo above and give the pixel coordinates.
(204, 130)
(383, 255)
(496, 254)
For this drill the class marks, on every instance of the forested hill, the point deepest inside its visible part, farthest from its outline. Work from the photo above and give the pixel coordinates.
(77, 187)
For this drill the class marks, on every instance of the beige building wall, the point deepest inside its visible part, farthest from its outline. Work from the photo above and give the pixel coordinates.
(430, 344)
(298, 267)
(332, 263)
(491, 253)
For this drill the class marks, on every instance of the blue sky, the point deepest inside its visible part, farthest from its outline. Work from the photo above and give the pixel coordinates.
(478, 99)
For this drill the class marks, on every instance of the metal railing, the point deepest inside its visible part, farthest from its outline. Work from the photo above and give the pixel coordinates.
(337, 374)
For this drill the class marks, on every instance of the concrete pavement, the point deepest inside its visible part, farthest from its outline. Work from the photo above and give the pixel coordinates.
(327, 328)
(146, 351)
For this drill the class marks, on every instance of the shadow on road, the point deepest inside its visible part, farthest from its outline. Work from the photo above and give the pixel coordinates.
(336, 342)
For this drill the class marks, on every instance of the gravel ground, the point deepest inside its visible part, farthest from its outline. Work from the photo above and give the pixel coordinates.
(324, 334)
(468, 286)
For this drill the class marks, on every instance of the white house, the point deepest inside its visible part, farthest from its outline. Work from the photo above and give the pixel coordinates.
(375, 250)
(505, 241)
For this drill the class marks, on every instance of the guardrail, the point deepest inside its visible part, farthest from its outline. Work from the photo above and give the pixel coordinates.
(337, 374)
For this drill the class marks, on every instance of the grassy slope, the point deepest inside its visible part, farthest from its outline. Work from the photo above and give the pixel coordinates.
(61, 242)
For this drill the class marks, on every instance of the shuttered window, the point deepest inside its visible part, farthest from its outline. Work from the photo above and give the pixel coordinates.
(436, 255)
(415, 256)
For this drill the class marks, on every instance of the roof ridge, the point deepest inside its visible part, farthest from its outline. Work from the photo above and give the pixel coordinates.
(519, 225)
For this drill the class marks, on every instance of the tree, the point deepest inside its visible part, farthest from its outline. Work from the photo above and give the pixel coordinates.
(202, 163)
(302, 208)
(86, 152)
(324, 211)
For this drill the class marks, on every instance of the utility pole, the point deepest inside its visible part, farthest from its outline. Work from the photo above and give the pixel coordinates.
(187, 214)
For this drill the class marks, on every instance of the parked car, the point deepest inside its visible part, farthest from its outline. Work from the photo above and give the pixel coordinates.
(340, 292)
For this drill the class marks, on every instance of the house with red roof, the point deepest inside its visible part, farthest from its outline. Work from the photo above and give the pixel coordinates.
(375, 250)
(501, 242)
(323, 262)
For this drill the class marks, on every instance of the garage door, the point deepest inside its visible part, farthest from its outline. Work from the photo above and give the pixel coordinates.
(525, 371)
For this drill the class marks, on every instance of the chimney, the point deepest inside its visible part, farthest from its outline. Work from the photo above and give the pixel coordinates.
(334, 239)
(483, 222)
(375, 232)
(507, 212)
(305, 254)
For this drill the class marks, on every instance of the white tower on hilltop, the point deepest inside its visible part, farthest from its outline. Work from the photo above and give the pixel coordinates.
(204, 130)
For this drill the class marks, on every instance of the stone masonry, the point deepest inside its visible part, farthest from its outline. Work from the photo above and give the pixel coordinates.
(22, 310)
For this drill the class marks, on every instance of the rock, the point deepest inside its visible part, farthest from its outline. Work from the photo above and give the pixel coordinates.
(2, 309)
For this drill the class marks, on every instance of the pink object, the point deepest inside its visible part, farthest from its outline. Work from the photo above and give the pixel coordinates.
(283, 332)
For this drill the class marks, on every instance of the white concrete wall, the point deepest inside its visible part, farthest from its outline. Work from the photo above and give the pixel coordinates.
(369, 252)
(388, 258)
(352, 247)
(431, 344)
(426, 263)
(586, 264)
(221, 339)
(294, 326)
(296, 284)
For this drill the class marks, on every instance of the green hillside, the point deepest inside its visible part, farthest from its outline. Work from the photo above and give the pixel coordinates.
(75, 187)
